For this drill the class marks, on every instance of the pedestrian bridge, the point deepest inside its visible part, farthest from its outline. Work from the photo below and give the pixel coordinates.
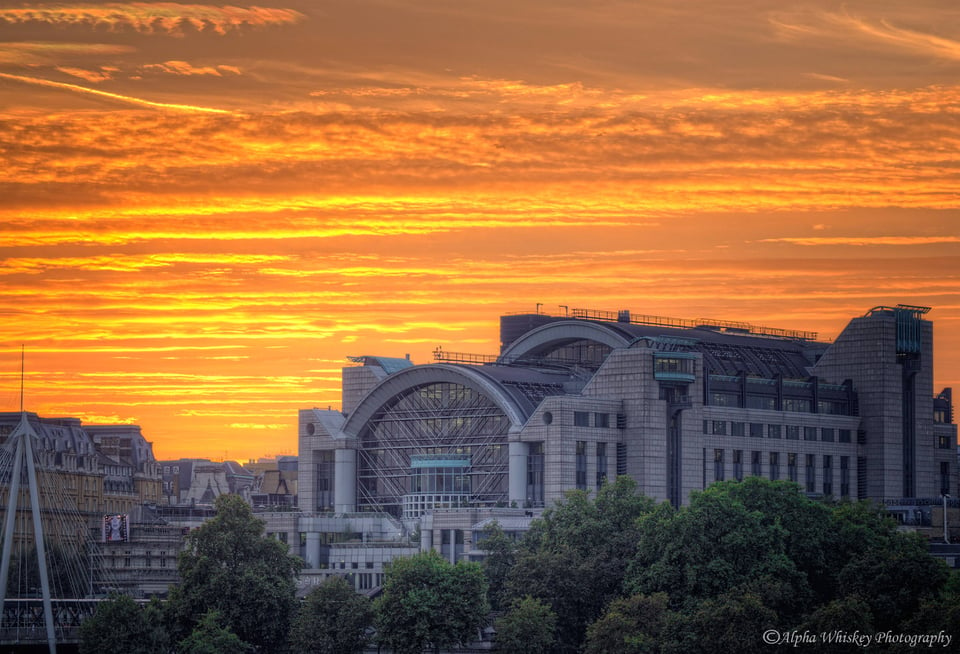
(23, 623)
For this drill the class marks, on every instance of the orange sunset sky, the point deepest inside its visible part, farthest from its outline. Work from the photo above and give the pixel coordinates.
(205, 208)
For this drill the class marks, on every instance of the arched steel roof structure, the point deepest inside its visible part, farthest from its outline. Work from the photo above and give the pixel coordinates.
(555, 335)
(417, 376)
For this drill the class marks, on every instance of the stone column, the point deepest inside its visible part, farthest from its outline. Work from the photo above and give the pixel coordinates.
(345, 484)
(518, 452)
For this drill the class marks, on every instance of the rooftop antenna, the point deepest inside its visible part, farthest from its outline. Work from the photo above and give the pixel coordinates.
(22, 348)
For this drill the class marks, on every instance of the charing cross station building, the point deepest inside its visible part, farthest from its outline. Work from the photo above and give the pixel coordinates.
(425, 456)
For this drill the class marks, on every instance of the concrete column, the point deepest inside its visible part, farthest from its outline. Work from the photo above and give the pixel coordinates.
(312, 555)
(518, 452)
(345, 484)
(453, 546)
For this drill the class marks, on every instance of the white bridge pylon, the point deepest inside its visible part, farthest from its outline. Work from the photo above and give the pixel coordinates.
(24, 466)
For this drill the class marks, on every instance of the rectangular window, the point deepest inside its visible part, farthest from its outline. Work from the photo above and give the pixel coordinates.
(621, 458)
(792, 466)
(755, 465)
(944, 477)
(811, 473)
(601, 419)
(756, 430)
(725, 399)
(718, 465)
(844, 476)
(706, 427)
(774, 466)
(809, 433)
(826, 435)
(761, 402)
(581, 418)
(535, 474)
(944, 442)
(601, 464)
(827, 474)
(738, 465)
(736, 429)
(582, 465)
(844, 435)
(774, 431)
(720, 427)
(793, 432)
(796, 405)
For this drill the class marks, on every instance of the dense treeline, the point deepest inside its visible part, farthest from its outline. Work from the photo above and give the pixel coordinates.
(751, 566)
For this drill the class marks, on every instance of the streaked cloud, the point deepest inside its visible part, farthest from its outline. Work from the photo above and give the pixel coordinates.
(111, 96)
(153, 17)
(865, 240)
(204, 209)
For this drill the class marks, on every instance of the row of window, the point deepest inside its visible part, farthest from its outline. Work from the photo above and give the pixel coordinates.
(789, 404)
(790, 432)
(582, 419)
(793, 461)
(581, 467)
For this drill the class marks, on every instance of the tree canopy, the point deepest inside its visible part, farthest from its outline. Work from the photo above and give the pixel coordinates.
(428, 601)
(229, 566)
(333, 619)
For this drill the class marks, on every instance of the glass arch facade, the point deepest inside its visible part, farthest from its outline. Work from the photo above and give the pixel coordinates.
(435, 446)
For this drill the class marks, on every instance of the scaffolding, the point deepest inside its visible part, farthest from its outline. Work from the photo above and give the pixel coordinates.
(452, 425)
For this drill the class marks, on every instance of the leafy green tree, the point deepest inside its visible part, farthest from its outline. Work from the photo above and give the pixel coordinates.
(574, 558)
(121, 626)
(211, 637)
(709, 547)
(894, 580)
(731, 623)
(500, 558)
(527, 628)
(229, 566)
(333, 619)
(427, 601)
(629, 625)
(844, 615)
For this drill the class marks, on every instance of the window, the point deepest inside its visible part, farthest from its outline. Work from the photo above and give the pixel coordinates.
(796, 405)
(736, 429)
(535, 474)
(944, 442)
(844, 476)
(944, 477)
(756, 430)
(827, 474)
(738, 465)
(601, 419)
(793, 432)
(844, 435)
(809, 433)
(761, 402)
(601, 464)
(792, 466)
(826, 435)
(774, 466)
(582, 465)
(811, 473)
(755, 465)
(725, 399)
(774, 431)
(720, 427)
(581, 418)
(706, 427)
(718, 465)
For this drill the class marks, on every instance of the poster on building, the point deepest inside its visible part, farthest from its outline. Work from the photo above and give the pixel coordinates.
(115, 528)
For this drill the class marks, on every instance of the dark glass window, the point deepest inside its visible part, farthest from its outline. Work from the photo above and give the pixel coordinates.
(582, 465)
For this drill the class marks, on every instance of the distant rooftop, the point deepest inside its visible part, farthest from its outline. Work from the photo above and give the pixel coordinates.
(389, 365)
